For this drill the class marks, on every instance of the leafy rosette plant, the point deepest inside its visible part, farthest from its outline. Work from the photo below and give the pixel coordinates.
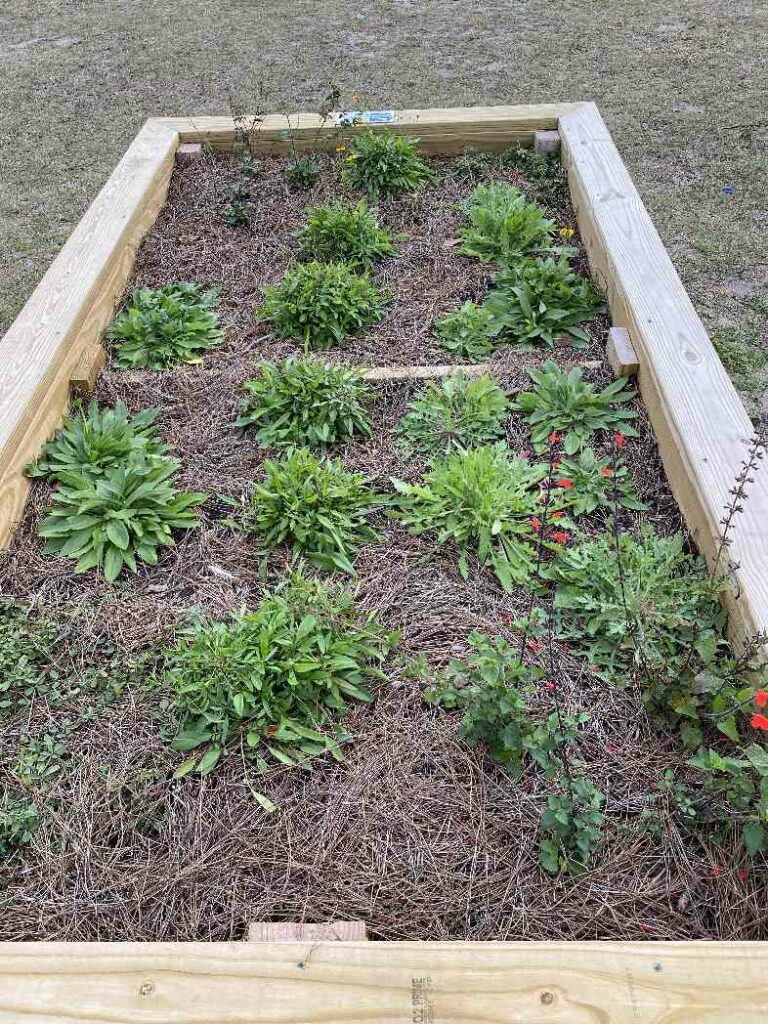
(316, 505)
(483, 501)
(596, 483)
(539, 301)
(457, 412)
(384, 164)
(162, 327)
(280, 675)
(305, 402)
(93, 440)
(338, 233)
(465, 332)
(113, 520)
(321, 303)
(564, 403)
(504, 226)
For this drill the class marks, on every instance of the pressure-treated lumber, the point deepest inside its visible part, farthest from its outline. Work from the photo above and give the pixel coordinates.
(384, 983)
(65, 316)
(700, 422)
(449, 130)
(546, 142)
(295, 931)
(620, 353)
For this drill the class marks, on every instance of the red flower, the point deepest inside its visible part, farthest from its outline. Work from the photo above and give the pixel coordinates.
(558, 515)
(271, 729)
(606, 472)
(759, 722)
(550, 687)
(612, 748)
(535, 645)
(562, 538)
(535, 524)
(743, 875)
(565, 647)
(554, 437)
(565, 482)
(555, 466)
(619, 439)
(715, 871)
(761, 698)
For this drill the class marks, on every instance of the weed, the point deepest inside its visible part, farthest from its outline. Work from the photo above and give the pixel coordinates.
(305, 402)
(544, 171)
(169, 325)
(381, 163)
(742, 358)
(316, 506)
(279, 674)
(320, 303)
(540, 301)
(344, 234)
(480, 499)
(563, 403)
(19, 820)
(26, 649)
(464, 333)
(575, 821)
(302, 172)
(504, 226)
(457, 412)
(110, 521)
(93, 440)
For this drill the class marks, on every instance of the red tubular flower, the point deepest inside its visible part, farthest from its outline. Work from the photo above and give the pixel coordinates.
(558, 515)
(743, 875)
(562, 538)
(607, 471)
(715, 871)
(759, 721)
(554, 437)
(555, 466)
(550, 687)
(761, 698)
(565, 482)
(535, 524)
(535, 645)
(619, 439)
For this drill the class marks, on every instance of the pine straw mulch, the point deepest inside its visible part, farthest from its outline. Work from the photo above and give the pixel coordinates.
(415, 833)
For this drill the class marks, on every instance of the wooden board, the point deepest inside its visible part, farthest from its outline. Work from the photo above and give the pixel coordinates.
(68, 311)
(448, 130)
(384, 983)
(295, 931)
(697, 415)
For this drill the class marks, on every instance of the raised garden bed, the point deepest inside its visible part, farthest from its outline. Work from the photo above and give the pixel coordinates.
(436, 819)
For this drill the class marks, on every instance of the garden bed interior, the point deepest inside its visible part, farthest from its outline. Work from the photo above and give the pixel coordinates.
(415, 832)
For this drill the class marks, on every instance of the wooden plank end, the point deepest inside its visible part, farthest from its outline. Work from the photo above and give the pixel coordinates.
(621, 355)
(293, 931)
(88, 367)
(188, 153)
(546, 141)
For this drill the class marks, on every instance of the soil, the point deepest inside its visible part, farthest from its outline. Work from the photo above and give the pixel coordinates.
(414, 832)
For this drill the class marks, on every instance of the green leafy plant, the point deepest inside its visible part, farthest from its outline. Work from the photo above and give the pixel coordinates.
(110, 521)
(594, 484)
(494, 687)
(481, 500)
(165, 326)
(27, 646)
(654, 611)
(735, 793)
(305, 402)
(575, 821)
(565, 404)
(302, 171)
(93, 440)
(280, 675)
(235, 213)
(504, 227)
(380, 163)
(344, 234)
(320, 303)
(544, 171)
(315, 505)
(456, 412)
(19, 820)
(471, 166)
(464, 333)
(540, 301)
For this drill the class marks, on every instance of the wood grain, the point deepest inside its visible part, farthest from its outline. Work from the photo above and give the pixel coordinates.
(384, 983)
(620, 353)
(700, 422)
(295, 931)
(68, 311)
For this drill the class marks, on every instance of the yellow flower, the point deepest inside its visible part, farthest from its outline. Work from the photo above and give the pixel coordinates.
(352, 157)
(341, 149)
(566, 232)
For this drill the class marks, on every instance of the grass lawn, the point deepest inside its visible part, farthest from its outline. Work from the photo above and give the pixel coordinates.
(681, 86)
